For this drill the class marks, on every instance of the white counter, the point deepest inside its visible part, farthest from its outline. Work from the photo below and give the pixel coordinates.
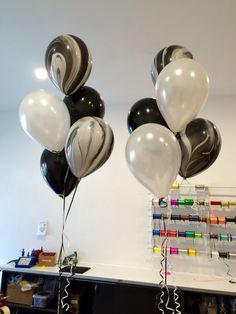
(139, 276)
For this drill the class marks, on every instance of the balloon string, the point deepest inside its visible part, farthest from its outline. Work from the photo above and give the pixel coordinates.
(176, 300)
(168, 300)
(184, 180)
(59, 294)
(62, 233)
(60, 255)
(64, 219)
(65, 216)
(231, 280)
(162, 283)
(164, 286)
(165, 283)
(69, 208)
(64, 300)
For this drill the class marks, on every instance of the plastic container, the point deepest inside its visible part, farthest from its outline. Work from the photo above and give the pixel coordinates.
(42, 299)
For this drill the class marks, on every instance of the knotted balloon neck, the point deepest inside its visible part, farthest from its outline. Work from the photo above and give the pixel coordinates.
(162, 202)
(56, 152)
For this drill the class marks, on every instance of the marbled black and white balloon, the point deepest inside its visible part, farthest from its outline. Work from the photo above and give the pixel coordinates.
(167, 55)
(88, 146)
(200, 144)
(68, 63)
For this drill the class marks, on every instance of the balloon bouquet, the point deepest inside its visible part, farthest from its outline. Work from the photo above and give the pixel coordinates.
(166, 137)
(77, 140)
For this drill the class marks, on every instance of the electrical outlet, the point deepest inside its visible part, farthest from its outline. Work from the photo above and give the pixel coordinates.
(42, 228)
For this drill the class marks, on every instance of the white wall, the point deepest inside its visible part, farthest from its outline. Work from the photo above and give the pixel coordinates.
(110, 219)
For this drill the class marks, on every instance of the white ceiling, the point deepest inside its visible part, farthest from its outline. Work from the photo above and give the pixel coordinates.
(123, 37)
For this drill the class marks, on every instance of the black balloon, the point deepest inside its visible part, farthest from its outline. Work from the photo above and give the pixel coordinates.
(200, 144)
(85, 102)
(167, 55)
(54, 169)
(144, 111)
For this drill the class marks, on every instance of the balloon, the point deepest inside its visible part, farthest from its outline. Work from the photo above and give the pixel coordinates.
(167, 55)
(45, 118)
(88, 146)
(144, 111)
(200, 143)
(68, 63)
(181, 92)
(56, 173)
(153, 155)
(85, 102)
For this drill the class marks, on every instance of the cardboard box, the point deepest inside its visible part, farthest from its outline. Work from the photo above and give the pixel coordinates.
(47, 259)
(16, 295)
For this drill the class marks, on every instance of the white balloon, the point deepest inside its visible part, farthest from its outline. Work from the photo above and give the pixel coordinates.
(46, 119)
(153, 155)
(181, 92)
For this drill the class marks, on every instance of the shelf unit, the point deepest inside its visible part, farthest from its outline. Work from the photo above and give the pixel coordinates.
(17, 308)
(196, 220)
